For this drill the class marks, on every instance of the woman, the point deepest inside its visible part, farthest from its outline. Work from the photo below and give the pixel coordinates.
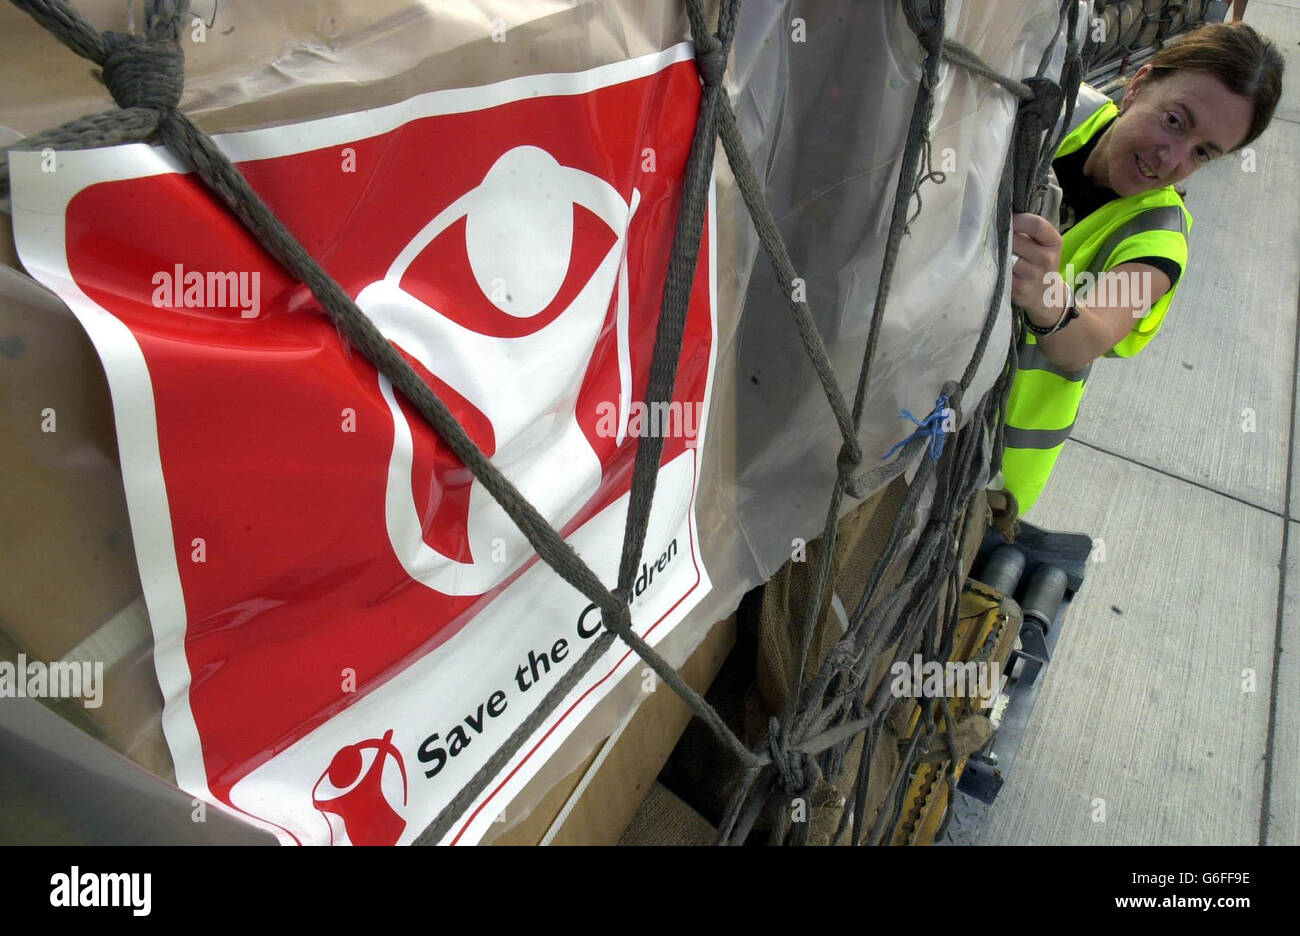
(1206, 94)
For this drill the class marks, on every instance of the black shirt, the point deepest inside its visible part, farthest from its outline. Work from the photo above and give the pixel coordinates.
(1080, 197)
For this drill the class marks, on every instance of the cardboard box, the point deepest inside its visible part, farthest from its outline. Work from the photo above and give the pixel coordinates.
(594, 804)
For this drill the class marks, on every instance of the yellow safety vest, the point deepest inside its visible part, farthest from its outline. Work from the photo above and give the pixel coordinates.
(1044, 400)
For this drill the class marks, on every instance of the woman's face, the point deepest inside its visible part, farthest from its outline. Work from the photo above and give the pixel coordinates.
(1167, 129)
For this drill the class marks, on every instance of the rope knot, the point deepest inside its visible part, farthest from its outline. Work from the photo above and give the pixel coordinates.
(618, 619)
(711, 60)
(935, 426)
(926, 20)
(140, 72)
(1045, 106)
(850, 457)
(800, 773)
(847, 462)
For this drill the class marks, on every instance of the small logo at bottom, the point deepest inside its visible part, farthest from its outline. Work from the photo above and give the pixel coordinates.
(356, 793)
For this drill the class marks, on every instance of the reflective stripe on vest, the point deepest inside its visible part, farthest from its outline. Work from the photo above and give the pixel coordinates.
(1045, 398)
(1036, 438)
(1030, 357)
(1164, 218)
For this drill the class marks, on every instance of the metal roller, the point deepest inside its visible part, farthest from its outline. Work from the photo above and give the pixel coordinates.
(1003, 569)
(1044, 595)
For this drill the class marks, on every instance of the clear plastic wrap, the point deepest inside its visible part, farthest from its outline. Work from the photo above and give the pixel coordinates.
(823, 97)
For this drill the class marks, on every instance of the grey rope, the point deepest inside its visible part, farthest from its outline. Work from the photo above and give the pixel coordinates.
(711, 53)
(1071, 76)
(958, 54)
(926, 24)
(144, 74)
(954, 756)
(107, 129)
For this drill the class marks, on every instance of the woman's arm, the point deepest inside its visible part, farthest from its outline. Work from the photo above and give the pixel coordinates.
(1103, 322)
(1106, 315)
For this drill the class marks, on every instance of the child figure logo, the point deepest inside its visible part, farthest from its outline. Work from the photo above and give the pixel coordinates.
(358, 789)
(518, 356)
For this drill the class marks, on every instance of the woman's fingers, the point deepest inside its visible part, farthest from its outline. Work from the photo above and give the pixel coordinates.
(1037, 243)
(1035, 262)
(1030, 250)
(1036, 228)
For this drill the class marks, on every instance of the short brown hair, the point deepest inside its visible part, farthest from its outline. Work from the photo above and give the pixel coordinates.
(1247, 63)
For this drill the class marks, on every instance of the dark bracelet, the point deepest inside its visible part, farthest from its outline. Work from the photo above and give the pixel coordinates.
(1069, 315)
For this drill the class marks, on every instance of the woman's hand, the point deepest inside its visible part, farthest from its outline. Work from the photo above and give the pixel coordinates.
(1103, 319)
(1038, 245)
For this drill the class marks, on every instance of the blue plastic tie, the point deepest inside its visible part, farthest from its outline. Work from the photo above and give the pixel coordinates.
(931, 426)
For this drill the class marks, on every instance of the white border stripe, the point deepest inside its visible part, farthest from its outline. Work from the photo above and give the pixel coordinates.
(125, 162)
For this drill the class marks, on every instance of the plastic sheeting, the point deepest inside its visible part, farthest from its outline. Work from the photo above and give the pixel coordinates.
(831, 165)
(823, 96)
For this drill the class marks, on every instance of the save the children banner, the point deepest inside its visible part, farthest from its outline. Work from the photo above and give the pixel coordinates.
(346, 625)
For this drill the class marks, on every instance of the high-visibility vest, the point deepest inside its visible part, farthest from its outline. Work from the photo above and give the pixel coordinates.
(1044, 400)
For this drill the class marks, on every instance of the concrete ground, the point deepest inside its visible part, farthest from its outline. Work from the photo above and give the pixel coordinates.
(1171, 712)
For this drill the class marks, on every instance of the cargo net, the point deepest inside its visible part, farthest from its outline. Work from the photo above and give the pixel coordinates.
(1123, 32)
(829, 711)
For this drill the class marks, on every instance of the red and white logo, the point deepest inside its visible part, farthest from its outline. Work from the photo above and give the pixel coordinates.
(362, 793)
(318, 565)
(518, 233)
